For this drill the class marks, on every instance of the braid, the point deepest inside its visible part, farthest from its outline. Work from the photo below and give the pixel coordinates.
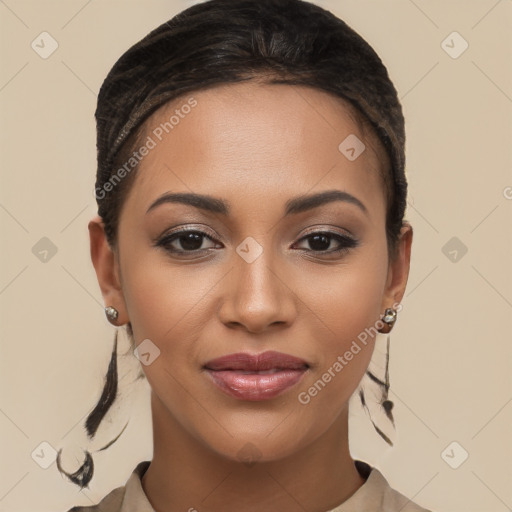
(83, 475)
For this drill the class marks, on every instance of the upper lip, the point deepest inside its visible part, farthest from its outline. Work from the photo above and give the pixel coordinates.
(265, 361)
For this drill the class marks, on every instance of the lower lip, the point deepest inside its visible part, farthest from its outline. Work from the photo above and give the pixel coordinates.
(255, 387)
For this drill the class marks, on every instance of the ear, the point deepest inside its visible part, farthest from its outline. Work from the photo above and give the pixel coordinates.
(106, 264)
(398, 271)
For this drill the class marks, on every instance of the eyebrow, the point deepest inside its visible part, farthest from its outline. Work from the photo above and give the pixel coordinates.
(292, 206)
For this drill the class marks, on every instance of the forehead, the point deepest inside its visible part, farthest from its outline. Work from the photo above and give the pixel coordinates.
(269, 139)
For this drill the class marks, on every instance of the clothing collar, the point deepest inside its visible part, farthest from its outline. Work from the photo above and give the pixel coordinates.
(367, 497)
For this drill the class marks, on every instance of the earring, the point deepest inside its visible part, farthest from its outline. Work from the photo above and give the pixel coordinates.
(112, 314)
(389, 320)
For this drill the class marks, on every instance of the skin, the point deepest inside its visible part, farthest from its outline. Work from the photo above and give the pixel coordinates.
(255, 146)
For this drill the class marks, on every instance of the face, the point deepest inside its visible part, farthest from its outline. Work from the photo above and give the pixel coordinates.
(257, 267)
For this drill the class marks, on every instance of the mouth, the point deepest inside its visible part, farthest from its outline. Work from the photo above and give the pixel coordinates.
(266, 361)
(254, 372)
(256, 377)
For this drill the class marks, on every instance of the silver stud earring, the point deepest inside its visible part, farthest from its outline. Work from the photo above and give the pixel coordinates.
(111, 314)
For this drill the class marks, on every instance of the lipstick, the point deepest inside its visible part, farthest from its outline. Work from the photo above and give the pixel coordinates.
(256, 377)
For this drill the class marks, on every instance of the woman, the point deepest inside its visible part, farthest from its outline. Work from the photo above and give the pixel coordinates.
(251, 238)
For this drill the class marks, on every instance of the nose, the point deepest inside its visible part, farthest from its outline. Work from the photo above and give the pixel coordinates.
(258, 296)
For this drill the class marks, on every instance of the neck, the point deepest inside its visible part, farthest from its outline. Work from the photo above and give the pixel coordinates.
(185, 474)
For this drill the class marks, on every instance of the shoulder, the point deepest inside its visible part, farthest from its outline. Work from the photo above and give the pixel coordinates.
(389, 499)
(110, 503)
(114, 501)
(376, 495)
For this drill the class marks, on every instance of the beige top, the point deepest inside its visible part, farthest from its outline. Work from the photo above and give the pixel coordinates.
(375, 495)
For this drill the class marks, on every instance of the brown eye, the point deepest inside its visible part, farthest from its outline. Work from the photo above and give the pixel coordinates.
(186, 241)
(322, 241)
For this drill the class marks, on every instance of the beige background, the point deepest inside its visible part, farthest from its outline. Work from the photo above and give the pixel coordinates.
(451, 349)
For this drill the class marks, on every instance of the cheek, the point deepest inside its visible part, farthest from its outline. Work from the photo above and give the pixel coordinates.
(356, 303)
(345, 307)
(167, 305)
(154, 294)
(348, 299)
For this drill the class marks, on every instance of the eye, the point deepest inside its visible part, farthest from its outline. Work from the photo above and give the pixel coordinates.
(321, 242)
(186, 241)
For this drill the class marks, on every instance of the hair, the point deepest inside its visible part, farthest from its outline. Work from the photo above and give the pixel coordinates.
(221, 42)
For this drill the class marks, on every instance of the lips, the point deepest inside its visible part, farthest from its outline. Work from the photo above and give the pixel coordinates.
(266, 361)
(256, 377)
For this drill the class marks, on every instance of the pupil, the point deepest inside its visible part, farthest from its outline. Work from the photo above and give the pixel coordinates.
(190, 241)
(316, 245)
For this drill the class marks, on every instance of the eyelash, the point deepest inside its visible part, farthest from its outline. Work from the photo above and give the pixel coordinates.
(346, 242)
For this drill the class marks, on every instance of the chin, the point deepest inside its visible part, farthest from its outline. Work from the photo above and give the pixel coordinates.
(250, 445)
